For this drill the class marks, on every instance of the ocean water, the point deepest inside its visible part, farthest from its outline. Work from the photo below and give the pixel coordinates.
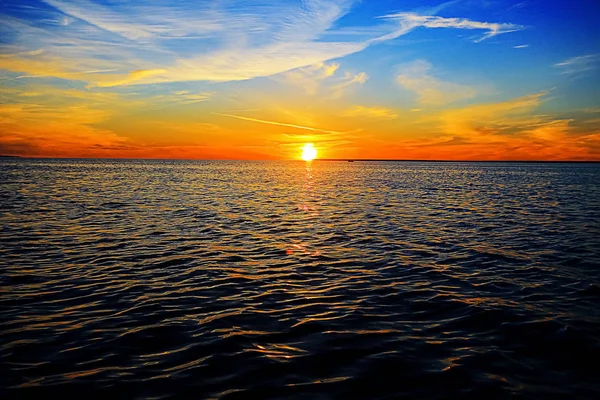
(322, 280)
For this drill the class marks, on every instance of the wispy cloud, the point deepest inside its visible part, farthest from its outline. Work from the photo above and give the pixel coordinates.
(229, 41)
(102, 17)
(436, 9)
(416, 77)
(521, 46)
(409, 21)
(349, 79)
(508, 130)
(180, 97)
(40, 64)
(485, 121)
(41, 120)
(370, 112)
(323, 80)
(187, 97)
(309, 78)
(130, 78)
(262, 121)
(577, 65)
(144, 19)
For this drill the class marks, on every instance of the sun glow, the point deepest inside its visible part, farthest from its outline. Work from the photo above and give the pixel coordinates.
(309, 152)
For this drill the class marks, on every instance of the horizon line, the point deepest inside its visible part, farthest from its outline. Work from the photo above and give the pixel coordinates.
(300, 160)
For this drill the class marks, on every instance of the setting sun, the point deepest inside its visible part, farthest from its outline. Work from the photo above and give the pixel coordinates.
(309, 152)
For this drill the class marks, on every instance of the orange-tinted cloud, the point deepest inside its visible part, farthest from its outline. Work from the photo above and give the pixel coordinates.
(509, 130)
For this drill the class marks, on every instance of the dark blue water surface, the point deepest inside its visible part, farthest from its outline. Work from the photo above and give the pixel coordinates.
(221, 279)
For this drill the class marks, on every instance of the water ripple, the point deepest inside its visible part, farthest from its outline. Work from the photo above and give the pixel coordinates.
(229, 280)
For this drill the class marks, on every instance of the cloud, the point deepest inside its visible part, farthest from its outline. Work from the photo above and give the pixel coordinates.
(58, 121)
(521, 46)
(486, 121)
(243, 64)
(71, 129)
(102, 17)
(508, 130)
(339, 87)
(370, 112)
(322, 79)
(180, 97)
(255, 41)
(308, 78)
(225, 41)
(409, 21)
(130, 78)
(415, 77)
(39, 64)
(580, 64)
(51, 95)
(360, 78)
(187, 97)
(145, 20)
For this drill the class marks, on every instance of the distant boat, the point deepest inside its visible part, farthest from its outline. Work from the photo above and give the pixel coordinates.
(350, 160)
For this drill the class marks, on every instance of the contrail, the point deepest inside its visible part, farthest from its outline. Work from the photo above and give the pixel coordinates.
(262, 121)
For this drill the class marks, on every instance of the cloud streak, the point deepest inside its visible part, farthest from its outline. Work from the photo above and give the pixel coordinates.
(262, 121)
(370, 112)
(580, 64)
(100, 17)
(409, 21)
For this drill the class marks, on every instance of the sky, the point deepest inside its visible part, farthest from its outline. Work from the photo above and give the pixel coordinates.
(240, 79)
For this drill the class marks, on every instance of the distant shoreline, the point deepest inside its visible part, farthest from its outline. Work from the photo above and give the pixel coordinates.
(315, 160)
(456, 161)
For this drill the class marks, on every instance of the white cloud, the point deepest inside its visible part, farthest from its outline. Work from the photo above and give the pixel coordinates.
(321, 79)
(308, 78)
(409, 21)
(576, 65)
(101, 17)
(348, 80)
(142, 20)
(415, 76)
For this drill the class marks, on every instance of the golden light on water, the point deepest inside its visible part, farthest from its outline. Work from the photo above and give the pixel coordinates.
(309, 152)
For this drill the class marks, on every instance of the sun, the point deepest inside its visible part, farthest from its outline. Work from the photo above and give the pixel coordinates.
(309, 152)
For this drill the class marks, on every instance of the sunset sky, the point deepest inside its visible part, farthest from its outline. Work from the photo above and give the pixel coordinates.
(483, 80)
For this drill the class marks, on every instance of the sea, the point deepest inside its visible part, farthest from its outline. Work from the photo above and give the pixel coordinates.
(157, 279)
